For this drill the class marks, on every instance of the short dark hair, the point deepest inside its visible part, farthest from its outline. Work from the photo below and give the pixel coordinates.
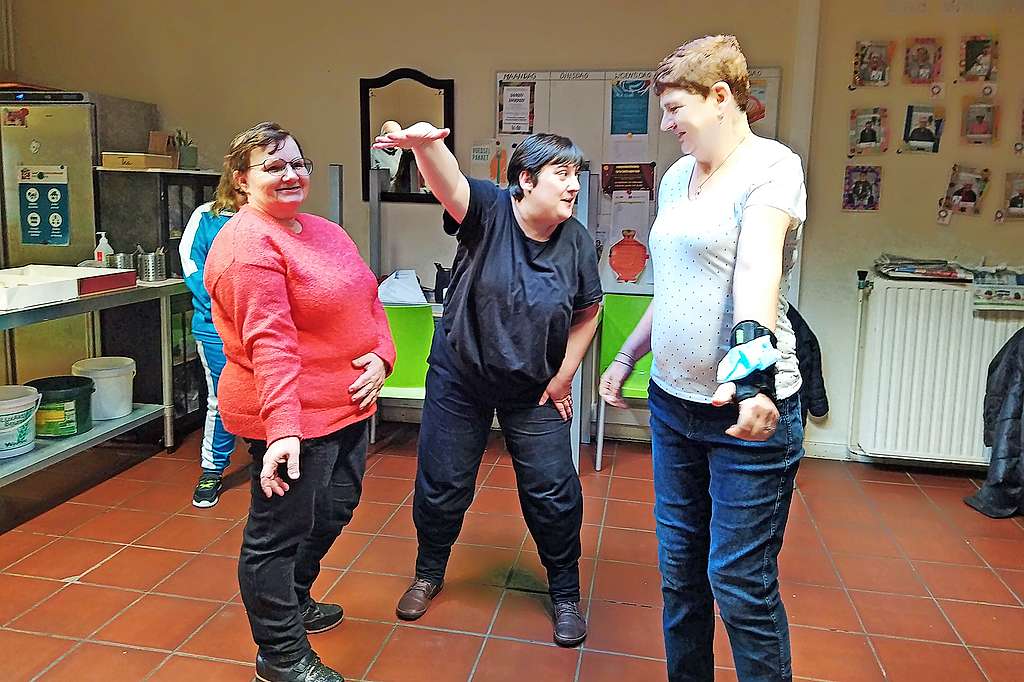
(538, 151)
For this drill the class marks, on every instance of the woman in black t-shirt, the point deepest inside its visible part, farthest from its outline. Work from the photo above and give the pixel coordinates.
(519, 314)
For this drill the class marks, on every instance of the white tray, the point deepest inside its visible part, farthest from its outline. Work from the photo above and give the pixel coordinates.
(21, 288)
(32, 285)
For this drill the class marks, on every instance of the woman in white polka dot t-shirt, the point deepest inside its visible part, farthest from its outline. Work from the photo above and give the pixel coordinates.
(725, 415)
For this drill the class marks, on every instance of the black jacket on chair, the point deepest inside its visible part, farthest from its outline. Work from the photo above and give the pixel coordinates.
(1003, 493)
(813, 398)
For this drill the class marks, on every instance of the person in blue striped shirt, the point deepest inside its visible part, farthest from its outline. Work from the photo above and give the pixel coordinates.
(206, 221)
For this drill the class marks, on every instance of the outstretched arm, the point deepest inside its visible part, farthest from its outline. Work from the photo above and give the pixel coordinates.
(435, 162)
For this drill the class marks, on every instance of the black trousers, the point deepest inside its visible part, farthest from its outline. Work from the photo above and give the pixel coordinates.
(455, 425)
(286, 537)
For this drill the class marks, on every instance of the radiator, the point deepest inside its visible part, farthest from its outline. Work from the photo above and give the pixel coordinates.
(924, 360)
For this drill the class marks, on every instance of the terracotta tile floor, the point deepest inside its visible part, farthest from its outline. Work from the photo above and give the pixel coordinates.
(886, 574)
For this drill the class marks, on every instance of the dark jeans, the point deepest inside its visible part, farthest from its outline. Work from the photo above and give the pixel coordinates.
(455, 424)
(286, 537)
(721, 506)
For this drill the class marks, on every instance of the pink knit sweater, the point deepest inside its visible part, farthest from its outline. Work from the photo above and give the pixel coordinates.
(294, 311)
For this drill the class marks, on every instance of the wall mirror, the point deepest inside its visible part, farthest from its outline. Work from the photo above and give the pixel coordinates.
(405, 96)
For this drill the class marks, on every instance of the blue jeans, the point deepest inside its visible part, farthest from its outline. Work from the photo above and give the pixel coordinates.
(218, 442)
(721, 506)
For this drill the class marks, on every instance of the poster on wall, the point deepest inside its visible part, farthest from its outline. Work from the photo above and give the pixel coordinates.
(980, 121)
(966, 189)
(516, 101)
(869, 130)
(631, 177)
(629, 94)
(872, 63)
(923, 61)
(979, 55)
(763, 104)
(922, 129)
(629, 255)
(862, 188)
(43, 203)
(630, 101)
(484, 161)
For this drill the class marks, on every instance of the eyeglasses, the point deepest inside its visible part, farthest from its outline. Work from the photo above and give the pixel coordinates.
(278, 166)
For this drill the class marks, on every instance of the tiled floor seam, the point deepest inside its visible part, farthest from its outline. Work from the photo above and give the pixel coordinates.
(839, 577)
(906, 557)
(597, 558)
(501, 601)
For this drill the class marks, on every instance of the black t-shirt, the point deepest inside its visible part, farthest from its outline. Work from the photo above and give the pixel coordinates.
(509, 306)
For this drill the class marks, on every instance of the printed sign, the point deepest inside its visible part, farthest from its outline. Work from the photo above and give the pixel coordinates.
(43, 200)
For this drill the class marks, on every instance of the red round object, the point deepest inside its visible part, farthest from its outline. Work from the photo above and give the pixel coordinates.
(628, 258)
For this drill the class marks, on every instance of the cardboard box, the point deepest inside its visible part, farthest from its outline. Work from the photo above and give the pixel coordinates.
(164, 144)
(135, 160)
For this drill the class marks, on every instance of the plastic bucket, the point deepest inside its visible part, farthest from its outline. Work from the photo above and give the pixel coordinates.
(18, 405)
(65, 408)
(114, 378)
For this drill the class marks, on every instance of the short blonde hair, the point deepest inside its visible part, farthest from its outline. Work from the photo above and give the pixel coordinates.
(699, 64)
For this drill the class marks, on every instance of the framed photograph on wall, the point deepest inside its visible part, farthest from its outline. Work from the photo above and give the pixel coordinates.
(1013, 204)
(922, 129)
(923, 61)
(862, 188)
(978, 58)
(980, 121)
(966, 189)
(869, 130)
(1018, 146)
(872, 63)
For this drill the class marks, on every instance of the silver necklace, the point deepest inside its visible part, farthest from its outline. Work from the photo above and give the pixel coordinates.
(703, 182)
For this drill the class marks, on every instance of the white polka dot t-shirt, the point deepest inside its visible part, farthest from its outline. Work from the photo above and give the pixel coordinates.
(693, 251)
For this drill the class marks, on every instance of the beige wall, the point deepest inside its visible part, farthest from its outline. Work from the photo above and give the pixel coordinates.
(215, 67)
(836, 244)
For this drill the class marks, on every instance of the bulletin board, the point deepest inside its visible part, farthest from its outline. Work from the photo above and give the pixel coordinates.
(614, 117)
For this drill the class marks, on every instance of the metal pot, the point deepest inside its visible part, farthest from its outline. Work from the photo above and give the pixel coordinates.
(152, 267)
(123, 261)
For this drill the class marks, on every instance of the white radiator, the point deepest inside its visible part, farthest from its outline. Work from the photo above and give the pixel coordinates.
(924, 363)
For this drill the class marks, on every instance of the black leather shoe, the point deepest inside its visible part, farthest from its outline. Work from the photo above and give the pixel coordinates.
(416, 599)
(318, 617)
(570, 628)
(309, 669)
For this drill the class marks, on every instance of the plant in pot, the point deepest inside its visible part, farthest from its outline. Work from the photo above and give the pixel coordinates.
(188, 153)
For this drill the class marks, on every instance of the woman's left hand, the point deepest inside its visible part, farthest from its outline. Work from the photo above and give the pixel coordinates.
(758, 415)
(559, 391)
(367, 387)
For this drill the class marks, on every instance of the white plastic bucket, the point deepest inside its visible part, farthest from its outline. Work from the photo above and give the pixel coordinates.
(18, 405)
(113, 377)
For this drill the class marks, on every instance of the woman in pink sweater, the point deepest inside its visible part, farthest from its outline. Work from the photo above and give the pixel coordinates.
(308, 349)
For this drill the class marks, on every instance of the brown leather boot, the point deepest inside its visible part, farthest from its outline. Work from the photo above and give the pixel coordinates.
(416, 599)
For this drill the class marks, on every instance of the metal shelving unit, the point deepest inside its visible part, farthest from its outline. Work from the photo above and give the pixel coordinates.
(47, 451)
